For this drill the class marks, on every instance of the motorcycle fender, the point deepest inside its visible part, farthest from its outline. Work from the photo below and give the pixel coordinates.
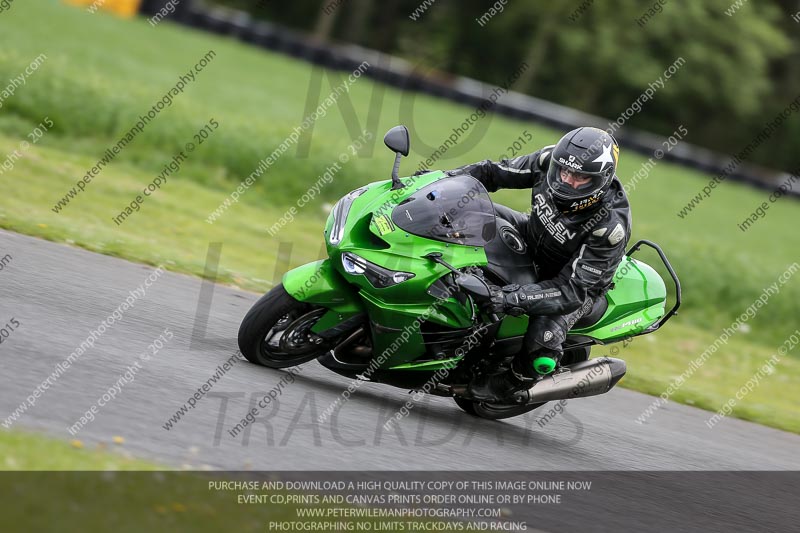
(318, 283)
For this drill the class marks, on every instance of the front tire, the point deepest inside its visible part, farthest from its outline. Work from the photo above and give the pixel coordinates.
(276, 332)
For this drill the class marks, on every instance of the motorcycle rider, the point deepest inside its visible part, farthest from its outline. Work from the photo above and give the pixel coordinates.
(578, 229)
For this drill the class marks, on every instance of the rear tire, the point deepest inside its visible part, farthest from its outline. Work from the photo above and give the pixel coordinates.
(575, 355)
(275, 332)
(494, 411)
(497, 411)
(467, 405)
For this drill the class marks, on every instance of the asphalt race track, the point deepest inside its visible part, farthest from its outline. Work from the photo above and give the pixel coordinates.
(58, 294)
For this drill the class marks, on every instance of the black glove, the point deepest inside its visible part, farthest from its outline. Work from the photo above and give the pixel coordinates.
(499, 302)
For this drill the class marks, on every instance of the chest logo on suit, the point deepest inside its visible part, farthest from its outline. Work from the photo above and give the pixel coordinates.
(549, 219)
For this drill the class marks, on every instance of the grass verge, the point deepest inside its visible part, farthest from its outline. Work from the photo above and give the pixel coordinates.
(50, 485)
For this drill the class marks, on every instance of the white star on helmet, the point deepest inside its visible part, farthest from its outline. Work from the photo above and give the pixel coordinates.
(605, 157)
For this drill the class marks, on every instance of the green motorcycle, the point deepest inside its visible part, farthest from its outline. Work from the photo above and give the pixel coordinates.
(398, 301)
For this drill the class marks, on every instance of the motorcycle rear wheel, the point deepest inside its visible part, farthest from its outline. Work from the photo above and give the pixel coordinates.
(495, 411)
(276, 331)
(498, 411)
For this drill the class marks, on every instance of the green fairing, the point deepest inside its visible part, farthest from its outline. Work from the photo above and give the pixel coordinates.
(395, 312)
(318, 283)
(635, 303)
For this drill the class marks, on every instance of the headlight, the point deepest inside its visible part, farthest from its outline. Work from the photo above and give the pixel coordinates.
(379, 277)
(340, 212)
(353, 264)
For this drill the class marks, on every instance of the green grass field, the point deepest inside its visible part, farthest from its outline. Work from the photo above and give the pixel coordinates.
(101, 73)
(59, 486)
(30, 451)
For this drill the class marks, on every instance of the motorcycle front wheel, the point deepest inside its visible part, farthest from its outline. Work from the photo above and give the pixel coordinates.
(276, 332)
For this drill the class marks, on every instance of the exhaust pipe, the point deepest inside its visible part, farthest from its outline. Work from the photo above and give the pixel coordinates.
(587, 378)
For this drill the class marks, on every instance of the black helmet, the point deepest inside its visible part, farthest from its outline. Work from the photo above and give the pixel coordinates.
(585, 152)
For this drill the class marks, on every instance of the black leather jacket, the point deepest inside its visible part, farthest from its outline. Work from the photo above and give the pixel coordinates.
(576, 254)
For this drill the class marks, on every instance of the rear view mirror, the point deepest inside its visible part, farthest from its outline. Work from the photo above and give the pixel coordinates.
(397, 140)
(474, 286)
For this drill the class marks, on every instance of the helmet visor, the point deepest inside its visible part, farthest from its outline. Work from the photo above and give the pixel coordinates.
(568, 183)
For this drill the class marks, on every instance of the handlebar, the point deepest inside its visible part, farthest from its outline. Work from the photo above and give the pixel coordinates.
(474, 286)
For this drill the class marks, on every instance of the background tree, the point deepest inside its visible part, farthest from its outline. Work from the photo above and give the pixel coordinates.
(739, 69)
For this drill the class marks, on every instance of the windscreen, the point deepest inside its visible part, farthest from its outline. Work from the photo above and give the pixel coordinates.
(456, 210)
